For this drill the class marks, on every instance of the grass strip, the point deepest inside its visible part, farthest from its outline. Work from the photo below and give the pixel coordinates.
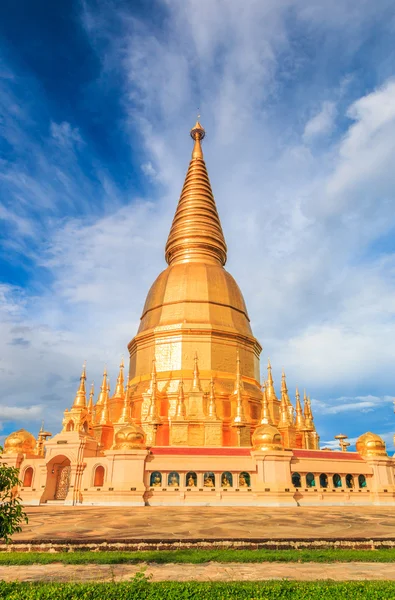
(141, 589)
(198, 556)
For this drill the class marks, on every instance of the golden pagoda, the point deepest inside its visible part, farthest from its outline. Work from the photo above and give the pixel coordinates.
(193, 417)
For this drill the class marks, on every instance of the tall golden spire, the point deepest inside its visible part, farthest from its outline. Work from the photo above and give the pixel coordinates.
(119, 388)
(196, 234)
(80, 397)
(239, 381)
(307, 412)
(239, 416)
(126, 414)
(196, 385)
(265, 414)
(285, 420)
(105, 413)
(299, 419)
(180, 406)
(270, 391)
(103, 390)
(285, 395)
(153, 409)
(90, 403)
(211, 409)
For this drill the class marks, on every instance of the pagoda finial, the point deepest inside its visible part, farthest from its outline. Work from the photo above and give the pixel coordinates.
(80, 397)
(211, 409)
(105, 413)
(196, 234)
(90, 403)
(299, 419)
(265, 414)
(270, 391)
(196, 385)
(126, 414)
(180, 406)
(285, 420)
(103, 396)
(239, 381)
(285, 395)
(120, 388)
(307, 412)
(153, 409)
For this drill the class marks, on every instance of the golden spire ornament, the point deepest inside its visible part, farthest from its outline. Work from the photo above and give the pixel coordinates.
(196, 385)
(120, 388)
(153, 410)
(90, 403)
(126, 416)
(211, 409)
(285, 395)
(265, 414)
(299, 418)
(270, 391)
(180, 406)
(196, 234)
(80, 398)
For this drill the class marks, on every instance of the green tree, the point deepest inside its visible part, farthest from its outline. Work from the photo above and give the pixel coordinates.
(12, 514)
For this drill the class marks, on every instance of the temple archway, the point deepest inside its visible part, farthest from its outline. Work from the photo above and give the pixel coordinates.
(58, 479)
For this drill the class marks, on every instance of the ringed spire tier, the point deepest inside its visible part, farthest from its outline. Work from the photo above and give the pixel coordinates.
(196, 234)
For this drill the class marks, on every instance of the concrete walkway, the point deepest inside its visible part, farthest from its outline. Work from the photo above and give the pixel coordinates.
(206, 572)
(209, 523)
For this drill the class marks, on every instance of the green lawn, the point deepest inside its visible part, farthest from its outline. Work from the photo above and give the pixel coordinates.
(198, 556)
(139, 590)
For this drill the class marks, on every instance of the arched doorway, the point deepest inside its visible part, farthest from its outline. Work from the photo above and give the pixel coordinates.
(58, 479)
(62, 481)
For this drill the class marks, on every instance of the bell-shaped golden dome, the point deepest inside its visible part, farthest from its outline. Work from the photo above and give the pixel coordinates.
(20, 441)
(267, 437)
(196, 293)
(371, 444)
(129, 437)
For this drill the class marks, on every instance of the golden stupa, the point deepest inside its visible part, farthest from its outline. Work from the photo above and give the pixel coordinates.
(193, 416)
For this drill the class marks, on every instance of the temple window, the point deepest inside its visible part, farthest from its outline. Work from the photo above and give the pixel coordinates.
(349, 481)
(191, 479)
(310, 480)
(323, 480)
(362, 481)
(173, 479)
(244, 479)
(209, 479)
(70, 426)
(28, 477)
(296, 480)
(337, 481)
(155, 479)
(99, 477)
(226, 479)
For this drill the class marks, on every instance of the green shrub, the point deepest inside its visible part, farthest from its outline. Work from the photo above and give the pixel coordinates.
(11, 510)
(140, 589)
(197, 556)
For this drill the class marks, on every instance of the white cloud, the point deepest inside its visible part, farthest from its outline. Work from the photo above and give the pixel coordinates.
(65, 134)
(20, 413)
(321, 123)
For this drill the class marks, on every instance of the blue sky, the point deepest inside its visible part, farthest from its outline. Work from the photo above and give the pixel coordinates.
(298, 101)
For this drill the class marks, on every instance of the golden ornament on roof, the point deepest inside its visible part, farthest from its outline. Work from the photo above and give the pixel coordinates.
(371, 444)
(129, 438)
(20, 441)
(267, 437)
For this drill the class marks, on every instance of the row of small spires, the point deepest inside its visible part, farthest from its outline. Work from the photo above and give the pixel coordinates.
(302, 419)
